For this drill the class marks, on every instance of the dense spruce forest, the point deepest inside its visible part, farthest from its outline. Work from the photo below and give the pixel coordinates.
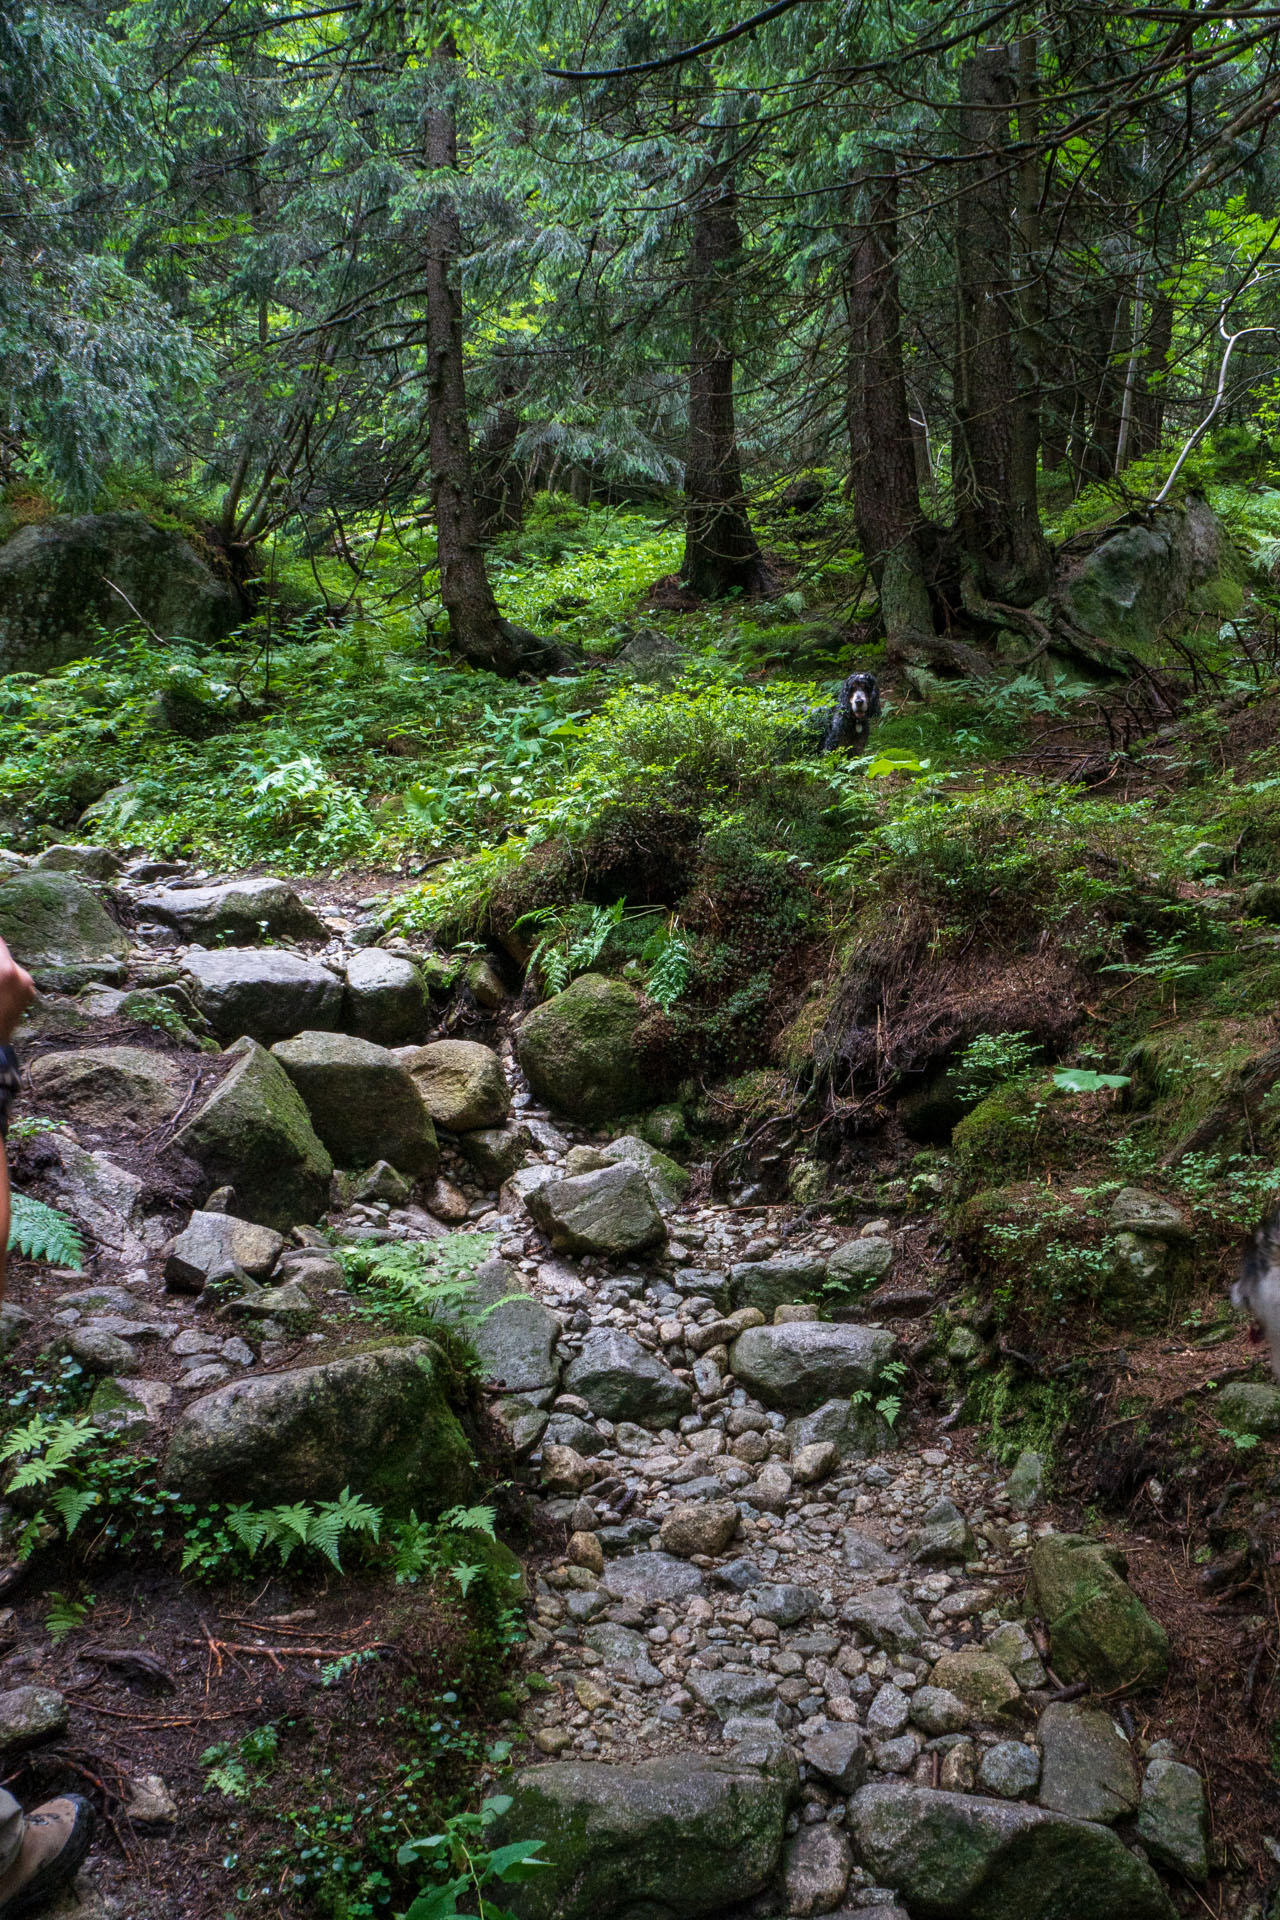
(640, 665)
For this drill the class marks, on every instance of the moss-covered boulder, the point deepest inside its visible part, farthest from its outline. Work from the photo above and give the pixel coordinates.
(104, 1085)
(995, 1138)
(66, 579)
(1249, 1406)
(1160, 568)
(578, 1049)
(667, 1180)
(362, 1102)
(60, 931)
(253, 1133)
(1099, 1630)
(668, 1839)
(956, 1856)
(377, 1420)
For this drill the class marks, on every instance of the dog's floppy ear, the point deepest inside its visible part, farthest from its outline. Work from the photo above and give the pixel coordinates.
(873, 690)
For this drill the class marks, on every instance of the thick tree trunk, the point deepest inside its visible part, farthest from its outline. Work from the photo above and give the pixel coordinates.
(882, 450)
(993, 458)
(721, 555)
(476, 628)
(1149, 400)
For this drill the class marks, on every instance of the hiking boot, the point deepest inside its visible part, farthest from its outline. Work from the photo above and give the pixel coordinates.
(55, 1842)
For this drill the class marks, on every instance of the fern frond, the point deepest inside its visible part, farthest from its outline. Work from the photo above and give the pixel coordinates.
(42, 1233)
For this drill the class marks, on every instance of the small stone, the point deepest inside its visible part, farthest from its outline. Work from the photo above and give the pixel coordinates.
(447, 1201)
(959, 1770)
(1024, 1488)
(772, 1489)
(1014, 1647)
(985, 1685)
(705, 1526)
(944, 1538)
(814, 1462)
(591, 1696)
(888, 1713)
(936, 1711)
(584, 1550)
(816, 1863)
(552, 1740)
(1009, 1769)
(150, 1803)
(839, 1755)
(564, 1471)
(29, 1715)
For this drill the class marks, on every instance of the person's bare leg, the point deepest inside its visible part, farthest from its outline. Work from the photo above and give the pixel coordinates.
(17, 991)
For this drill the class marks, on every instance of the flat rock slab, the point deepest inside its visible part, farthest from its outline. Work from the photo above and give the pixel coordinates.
(656, 1577)
(267, 994)
(377, 1421)
(806, 1362)
(1088, 1768)
(102, 1086)
(958, 1857)
(679, 1837)
(60, 931)
(362, 1102)
(245, 911)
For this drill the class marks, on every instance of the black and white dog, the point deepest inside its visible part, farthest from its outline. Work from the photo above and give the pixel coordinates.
(1257, 1291)
(857, 705)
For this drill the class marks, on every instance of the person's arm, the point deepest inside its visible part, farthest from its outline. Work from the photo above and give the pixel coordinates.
(17, 991)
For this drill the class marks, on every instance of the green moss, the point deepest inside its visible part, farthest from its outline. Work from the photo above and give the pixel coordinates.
(997, 1136)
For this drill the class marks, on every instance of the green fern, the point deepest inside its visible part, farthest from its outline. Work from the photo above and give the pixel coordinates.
(65, 1615)
(670, 958)
(42, 1233)
(50, 1445)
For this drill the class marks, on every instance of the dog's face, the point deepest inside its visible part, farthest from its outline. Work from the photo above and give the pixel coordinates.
(863, 696)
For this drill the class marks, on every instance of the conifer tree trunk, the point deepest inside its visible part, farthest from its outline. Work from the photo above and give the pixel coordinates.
(476, 628)
(720, 549)
(993, 457)
(882, 452)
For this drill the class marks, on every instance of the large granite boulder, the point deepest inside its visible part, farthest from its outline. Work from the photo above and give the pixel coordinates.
(609, 1211)
(461, 1083)
(1099, 1630)
(101, 1086)
(1150, 572)
(59, 930)
(244, 911)
(578, 1049)
(668, 1180)
(780, 1282)
(386, 998)
(955, 1856)
(621, 1380)
(266, 993)
(253, 1133)
(363, 1104)
(667, 1839)
(377, 1420)
(66, 580)
(805, 1362)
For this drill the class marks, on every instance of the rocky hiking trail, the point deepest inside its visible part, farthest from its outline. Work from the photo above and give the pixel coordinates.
(791, 1648)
